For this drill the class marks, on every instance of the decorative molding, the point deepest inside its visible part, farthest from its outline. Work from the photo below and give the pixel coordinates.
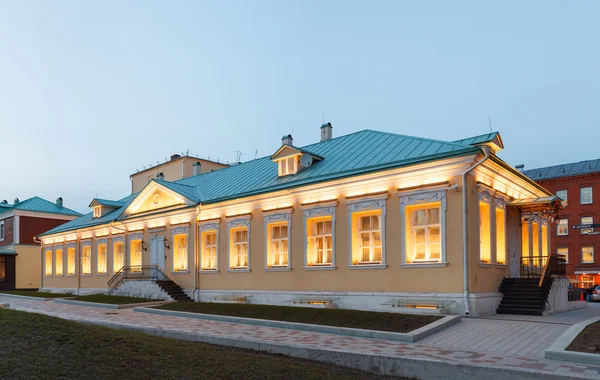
(485, 196)
(500, 203)
(208, 227)
(231, 218)
(368, 199)
(368, 204)
(238, 223)
(415, 199)
(102, 241)
(71, 245)
(281, 210)
(180, 231)
(86, 243)
(242, 221)
(118, 239)
(48, 248)
(319, 204)
(136, 236)
(320, 211)
(281, 217)
(58, 246)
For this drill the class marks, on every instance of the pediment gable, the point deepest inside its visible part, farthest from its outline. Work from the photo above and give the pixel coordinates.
(285, 151)
(156, 197)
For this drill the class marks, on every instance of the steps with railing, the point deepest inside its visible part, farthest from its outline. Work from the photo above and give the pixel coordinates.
(148, 273)
(528, 295)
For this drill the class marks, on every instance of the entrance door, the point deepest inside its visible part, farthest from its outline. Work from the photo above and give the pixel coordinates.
(157, 251)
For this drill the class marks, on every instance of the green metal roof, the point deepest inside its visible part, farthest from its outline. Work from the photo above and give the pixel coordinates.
(354, 154)
(106, 202)
(487, 137)
(37, 204)
(7, 251)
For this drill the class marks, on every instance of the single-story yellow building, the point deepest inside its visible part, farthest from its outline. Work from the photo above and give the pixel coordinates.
(370, 220)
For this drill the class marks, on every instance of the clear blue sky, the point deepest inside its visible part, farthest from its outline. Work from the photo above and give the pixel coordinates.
(92, 90)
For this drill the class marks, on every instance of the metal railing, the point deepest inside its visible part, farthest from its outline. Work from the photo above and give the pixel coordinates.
(138, 273)
(545, 268)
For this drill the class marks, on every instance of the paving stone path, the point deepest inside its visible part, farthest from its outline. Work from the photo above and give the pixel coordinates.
(447, 345)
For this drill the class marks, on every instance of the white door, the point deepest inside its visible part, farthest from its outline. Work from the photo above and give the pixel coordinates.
(157, 251)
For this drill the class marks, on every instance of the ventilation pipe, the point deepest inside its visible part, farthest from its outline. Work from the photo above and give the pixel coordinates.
(160, 176)
(16, 201)
(326, 132)
(486, 152)
(196, 168)
(520, 168)
(59, 202)
(287, 140)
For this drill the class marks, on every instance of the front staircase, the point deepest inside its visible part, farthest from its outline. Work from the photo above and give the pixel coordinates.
(522, 296)
(173, 290)
(528, 295)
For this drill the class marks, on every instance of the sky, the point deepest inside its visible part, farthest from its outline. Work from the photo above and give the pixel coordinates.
(91, 91)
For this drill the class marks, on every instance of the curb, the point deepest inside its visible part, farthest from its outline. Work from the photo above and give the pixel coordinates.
(3, 305)
(558, 351)
(411, 337)
(110, 305)
(26, 297)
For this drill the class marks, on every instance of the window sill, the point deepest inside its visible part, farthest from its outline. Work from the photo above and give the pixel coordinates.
(47, 275)
(368, 266)
(86, 275)
(58, 275)
(180, 272)
(278, 269)
(322, 267)
(240, 270)
(71, 275)
(486, 265)
(209, 271)
(424, 265)
(101, 274)
(502, 266)
(587, 263)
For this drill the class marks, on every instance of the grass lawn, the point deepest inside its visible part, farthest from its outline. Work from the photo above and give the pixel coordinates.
(37, 346)
(369, 320)
(588, 340)
(116, 300)
(33, 293)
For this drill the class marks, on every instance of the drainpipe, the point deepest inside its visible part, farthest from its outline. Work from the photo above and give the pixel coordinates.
(486, 151)
(196, 254)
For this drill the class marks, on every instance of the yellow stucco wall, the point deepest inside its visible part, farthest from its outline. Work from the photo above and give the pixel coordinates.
(28, 267)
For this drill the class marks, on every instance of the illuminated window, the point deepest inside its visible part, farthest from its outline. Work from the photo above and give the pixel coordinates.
(587, 281)
(180, 254)
(525, 240)
(48, 263)
(563, 194)
(367, 242)
(288, 165)
(277, 255)
(239, 248)
(584, 221)
(500, 234)
(564, 252)
(545, 251)
(119, 256)
(535, 239)
(58, 262)
(102, 259)
(2, 268)
(587, 255)
(586, 195)
(425, 237)
(86, 259)
(209, 250)
(320, 241)
(136, 255)
(71, 261)
(485, 246)
(562, 227)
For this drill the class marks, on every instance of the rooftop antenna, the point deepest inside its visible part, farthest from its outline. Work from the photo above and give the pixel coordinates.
(255, 153)
(490, 123)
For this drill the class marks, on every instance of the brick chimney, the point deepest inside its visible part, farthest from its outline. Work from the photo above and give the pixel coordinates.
(326, 132)
(287, 140)
(59, 202)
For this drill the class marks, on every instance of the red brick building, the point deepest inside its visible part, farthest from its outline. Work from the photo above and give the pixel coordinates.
(20, 223)
(579, 185)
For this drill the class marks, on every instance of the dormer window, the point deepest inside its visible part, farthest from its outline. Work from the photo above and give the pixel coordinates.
(288, 165)
(97, 212)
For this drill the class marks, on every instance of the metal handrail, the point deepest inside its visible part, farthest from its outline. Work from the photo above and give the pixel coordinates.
(543, 266)
(138, 273)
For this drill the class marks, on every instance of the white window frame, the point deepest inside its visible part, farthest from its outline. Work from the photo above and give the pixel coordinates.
(559, 224)
(593, 254)
(205, 228)
(316, 212)
(85, 244)
(51, 250)
(58, 247)
(232, 224)
(284, 165)
(97, 212)
(566, 198)
(566, 256)
(585, 231)
(417, 198)
(134, 238)
(368, 203)
(278, 217)
(485, 197)
(115, 241)
(2, 230)
(101, 242)
(581, 190)
(73, 246)
(178, 232)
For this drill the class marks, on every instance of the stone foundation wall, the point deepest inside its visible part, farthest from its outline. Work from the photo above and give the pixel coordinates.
(141, 289)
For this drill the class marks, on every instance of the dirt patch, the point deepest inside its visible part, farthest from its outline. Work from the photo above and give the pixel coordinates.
(588, 340)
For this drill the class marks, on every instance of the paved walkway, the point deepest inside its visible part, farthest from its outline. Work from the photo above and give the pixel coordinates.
(439, 348)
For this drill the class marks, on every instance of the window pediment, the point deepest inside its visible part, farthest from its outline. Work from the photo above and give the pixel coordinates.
(155, 197)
